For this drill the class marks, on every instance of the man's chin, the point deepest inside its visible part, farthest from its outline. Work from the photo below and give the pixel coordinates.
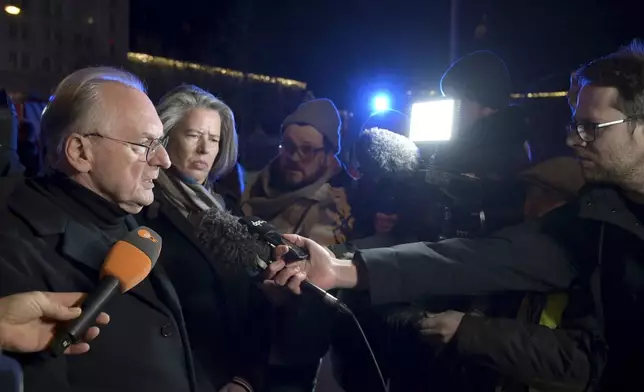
(594, 175)
(292, 179)
(135, 206)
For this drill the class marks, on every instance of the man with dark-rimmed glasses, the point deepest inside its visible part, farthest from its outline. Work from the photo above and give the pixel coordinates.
(294, 192)
(103, 152)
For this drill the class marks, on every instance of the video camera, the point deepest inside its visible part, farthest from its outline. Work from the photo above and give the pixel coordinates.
(436, 201)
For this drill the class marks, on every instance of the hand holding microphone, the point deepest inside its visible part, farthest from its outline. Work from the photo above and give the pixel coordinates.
(128, 262)
(253, 244)
(28, 320)
(302, 264)
(318, 267)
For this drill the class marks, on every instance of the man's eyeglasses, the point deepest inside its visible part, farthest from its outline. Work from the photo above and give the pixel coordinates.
(587, 131)
(306, 153)
(144, 149)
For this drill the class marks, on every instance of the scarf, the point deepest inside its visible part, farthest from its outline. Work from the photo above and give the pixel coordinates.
(266, 202)
(186, 195)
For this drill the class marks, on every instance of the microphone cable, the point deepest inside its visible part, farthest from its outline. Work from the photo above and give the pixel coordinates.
(345, 309)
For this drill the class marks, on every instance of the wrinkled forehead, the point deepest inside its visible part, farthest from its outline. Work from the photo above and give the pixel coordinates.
(598, 104)
(127, 112)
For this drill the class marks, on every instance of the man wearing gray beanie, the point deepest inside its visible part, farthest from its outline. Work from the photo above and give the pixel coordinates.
(294, 193)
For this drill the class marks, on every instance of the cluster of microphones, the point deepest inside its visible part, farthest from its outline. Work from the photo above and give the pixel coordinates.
(246, 242)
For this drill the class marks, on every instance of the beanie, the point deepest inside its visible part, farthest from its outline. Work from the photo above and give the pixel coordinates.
(482, 77)
(322, 115)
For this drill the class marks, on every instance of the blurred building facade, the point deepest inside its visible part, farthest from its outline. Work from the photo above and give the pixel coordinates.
(50, 38)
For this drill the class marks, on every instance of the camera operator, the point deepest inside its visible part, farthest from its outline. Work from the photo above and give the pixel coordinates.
(492, 137)
(597, 241)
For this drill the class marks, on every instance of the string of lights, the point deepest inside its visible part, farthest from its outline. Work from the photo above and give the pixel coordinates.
(550, 94)
(211, 70)
(182, 65)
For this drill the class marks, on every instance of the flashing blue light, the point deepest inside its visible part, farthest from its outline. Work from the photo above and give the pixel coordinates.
(381, 103)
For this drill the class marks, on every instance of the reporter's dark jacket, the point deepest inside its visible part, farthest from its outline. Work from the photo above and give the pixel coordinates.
(519, 351)
(226, 316)
(596, 242)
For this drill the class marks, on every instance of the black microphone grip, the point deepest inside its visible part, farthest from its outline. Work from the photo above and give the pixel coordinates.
(307, 286)
(74, 330)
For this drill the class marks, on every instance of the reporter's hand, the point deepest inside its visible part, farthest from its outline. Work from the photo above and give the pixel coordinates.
(319, 269)
(440, 328)
(28, 320)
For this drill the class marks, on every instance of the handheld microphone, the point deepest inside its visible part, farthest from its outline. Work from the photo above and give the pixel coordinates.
(248, 243)
(267, 233)
(128, 262)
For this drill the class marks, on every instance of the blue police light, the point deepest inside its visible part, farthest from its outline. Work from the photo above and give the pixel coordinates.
(381, 103)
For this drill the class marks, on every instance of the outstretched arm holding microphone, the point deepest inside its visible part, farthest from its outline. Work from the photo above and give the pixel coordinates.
(520, 258)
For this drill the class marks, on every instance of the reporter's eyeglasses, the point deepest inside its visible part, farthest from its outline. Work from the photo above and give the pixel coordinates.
(587, 131)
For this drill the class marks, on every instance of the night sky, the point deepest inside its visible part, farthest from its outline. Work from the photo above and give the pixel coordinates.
(345, 47)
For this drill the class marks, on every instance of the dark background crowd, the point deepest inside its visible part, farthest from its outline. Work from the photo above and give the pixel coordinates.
(174, 115)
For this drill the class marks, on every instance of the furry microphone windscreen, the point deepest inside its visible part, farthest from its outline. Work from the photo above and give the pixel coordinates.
(386, 155)
(229, 242)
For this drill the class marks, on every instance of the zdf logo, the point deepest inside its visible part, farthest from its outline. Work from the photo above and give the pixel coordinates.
(143, 233)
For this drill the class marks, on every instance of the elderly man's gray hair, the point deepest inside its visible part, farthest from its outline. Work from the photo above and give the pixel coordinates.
(70, 109)
(176, 104)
